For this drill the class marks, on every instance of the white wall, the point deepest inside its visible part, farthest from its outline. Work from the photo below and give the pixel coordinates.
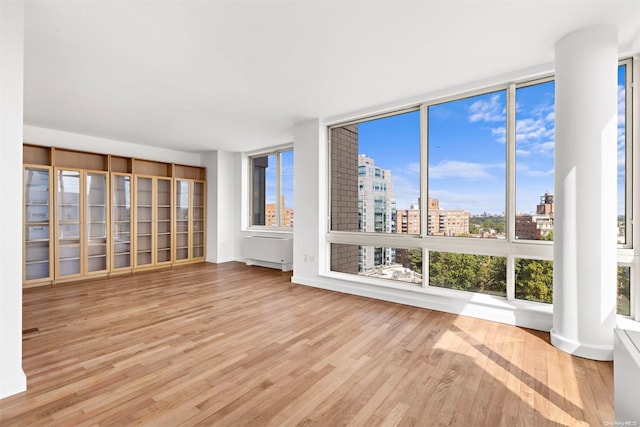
(223, 206)
(73, 141)
(309, 189)
(210, 161)
(12, 378)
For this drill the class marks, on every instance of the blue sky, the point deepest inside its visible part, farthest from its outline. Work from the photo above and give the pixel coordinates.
(467, 150)
(287, 179)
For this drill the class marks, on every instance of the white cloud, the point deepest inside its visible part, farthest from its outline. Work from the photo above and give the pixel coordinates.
(487, 111)
(535, 173)
(545, 148)
(621, 105)
(544, 109)
(464, 170)
(551, 117)
(406, 185)
(535, 130)
(500, 133)
(412, 168)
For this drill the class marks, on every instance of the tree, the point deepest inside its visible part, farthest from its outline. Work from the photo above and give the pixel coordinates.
(534, 280)
(415, 260)
(479, 223)
(623, 291)
(475, 273)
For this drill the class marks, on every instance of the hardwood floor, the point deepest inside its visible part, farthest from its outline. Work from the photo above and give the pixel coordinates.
(234, 345)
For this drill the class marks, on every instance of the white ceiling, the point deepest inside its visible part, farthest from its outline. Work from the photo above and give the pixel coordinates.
(237, 75)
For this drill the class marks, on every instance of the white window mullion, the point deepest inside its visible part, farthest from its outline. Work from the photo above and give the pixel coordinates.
(511, 278)
(510, 214)
(278, 203)
(511, 164)
(425, 268)
(424, 176)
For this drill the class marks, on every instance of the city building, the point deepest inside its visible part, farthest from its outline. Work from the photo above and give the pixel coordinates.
(447, 222)
(408, 220)
(287, 214)
(538, 226)
(376, 211)
(441, 222)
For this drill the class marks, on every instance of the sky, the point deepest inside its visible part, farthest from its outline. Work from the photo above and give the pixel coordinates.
(287, 178)
(467, 150)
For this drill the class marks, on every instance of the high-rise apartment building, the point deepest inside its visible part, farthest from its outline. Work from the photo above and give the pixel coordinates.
(376, 210)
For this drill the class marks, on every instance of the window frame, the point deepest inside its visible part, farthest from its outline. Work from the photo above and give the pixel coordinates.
(277, 152)
(510, 247)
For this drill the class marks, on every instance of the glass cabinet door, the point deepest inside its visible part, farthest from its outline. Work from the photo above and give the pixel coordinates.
(121, 221)
(96, 221)
(163, 221)
(197, 213)
(182, 220)
(37, 231)
(144, 221)
(69, 222)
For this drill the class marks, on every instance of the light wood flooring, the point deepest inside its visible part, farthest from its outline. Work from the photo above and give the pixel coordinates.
(222, 345)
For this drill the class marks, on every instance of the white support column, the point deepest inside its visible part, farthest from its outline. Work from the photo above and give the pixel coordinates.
(584, 282)
(222, 205)
(12, 378)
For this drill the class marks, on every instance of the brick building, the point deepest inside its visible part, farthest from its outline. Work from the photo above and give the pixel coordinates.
(270, 214)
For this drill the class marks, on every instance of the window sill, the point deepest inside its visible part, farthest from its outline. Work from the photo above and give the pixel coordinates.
(627, 323)
(268, 230)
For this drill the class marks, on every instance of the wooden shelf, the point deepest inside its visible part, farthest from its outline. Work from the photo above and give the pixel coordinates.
(82, 204)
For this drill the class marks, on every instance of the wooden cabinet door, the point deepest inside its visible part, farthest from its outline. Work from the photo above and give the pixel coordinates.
(37, 230)
(69, 233)
(121, 222)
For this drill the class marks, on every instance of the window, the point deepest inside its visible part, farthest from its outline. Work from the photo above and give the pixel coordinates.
(624, 291)
(535, 143)
(272, 189)
(624, 154)
(534, 280)
(467, 155)
(375, 179)
(378, 262)
(479, 167)
(466, 272)
(375, 171)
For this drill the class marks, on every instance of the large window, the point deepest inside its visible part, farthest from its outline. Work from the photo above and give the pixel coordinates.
(466, 272)
(375, 173)
(467, 160)
(534, 151)
(478, 167)
(624, 152)
(272, 189)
